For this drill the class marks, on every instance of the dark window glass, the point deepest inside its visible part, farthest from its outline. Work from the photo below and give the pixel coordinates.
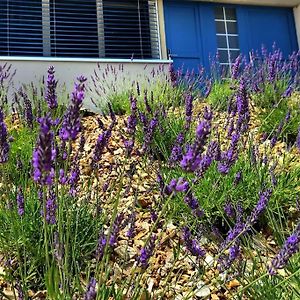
(223, 56)
(231, 27)
(21, 28)
(127, 29)
(220, 27)
(230, 14)
(234, 54)
(233, 42)
(219, 13)
(74, 28)
(221, 41)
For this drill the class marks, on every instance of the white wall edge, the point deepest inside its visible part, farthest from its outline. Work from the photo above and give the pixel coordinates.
(85, 60)
(297, 22)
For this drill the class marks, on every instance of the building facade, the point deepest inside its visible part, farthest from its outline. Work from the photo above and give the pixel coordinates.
(75, 35)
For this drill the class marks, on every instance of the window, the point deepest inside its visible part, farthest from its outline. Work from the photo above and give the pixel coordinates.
(21, 28)
(73, 28)
(133, 39)
(227, 35)
(77, 28)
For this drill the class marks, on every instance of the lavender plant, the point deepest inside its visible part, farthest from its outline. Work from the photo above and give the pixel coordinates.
(67, 229)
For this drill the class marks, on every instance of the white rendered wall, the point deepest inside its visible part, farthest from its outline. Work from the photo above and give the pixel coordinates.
(33, 70)
(297, 22)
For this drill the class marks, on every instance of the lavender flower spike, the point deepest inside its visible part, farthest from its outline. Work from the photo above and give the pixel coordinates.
(290, 247)
(51, 209)
(191, 244)
(91, 290)
(44, 154)
(51, 97)
(4, 145)
(147, 252)
(71, 124)
(298, 139)
(20, 203)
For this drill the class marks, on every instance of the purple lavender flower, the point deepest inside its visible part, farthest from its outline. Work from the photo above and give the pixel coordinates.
(28, 113)
(264, 197)
(178, 185)
(176, 153)
(71, 124)
(237, 178)
(229, 157)
(173, 76)
(229, 210)
(4, 144)
(117, 225)
(131, 123)
(208, 87)
(51, 208)
(44, 154)
(102, 240)
(214, 151)
(131, 231)
(149, 131)
(192, 158)
(147, 105)
(20, 203)
(102, 143)
(19, 289)
(74, 178)
(51, 97)
(225, 261)
(191, 244)
(91, 290)
(63, 179)
(298, 139)
(193, 204)
(289, 248)
(287, 116)
(205, 163)
(147, 252)
(236, 67)
(188, 110)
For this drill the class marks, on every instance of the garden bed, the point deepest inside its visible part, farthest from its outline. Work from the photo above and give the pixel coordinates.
(186, 199)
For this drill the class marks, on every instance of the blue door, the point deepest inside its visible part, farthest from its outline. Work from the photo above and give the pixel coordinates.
(196, 31)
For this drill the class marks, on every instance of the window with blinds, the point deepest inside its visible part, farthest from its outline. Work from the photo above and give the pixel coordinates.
(21, 31)
(77, 28)
(127, 28)
(73, 28)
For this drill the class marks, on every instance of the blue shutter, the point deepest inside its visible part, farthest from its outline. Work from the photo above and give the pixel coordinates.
(21, 28)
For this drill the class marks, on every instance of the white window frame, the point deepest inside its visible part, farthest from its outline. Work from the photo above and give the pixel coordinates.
(227, 35)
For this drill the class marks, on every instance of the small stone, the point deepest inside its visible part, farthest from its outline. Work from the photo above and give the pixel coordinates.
(203, 290)
(233, 284)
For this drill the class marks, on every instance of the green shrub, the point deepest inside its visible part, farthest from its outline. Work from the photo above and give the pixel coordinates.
(220, 95)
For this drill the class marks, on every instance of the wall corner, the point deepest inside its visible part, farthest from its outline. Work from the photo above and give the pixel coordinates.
(297, 22)
(162, 32)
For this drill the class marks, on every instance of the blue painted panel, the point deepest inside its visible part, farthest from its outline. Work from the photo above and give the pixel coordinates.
(191, 30)
(267, 25)
(208, 33)
(183, 34)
